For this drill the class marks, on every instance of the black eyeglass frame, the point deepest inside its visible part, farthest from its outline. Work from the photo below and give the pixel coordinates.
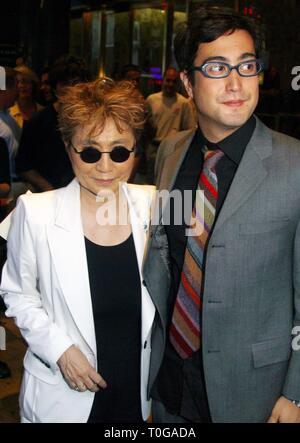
(230, 67)
(102, 152)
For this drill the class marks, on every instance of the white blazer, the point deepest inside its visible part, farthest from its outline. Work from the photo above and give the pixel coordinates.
(45, 286)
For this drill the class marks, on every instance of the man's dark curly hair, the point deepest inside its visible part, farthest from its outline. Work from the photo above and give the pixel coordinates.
(205, 25)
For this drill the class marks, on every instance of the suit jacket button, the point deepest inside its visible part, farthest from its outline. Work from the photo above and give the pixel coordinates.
(144, 283)
(145, 344)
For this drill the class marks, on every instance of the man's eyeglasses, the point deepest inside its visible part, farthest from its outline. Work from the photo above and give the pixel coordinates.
(249, 68)
(119, 154)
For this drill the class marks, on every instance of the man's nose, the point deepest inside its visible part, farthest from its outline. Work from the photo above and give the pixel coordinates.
(234, 81)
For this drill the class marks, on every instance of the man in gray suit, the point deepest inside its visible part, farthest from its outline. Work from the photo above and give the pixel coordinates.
(236, 360)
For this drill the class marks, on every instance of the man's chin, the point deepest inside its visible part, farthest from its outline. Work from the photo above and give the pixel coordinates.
(235, 121)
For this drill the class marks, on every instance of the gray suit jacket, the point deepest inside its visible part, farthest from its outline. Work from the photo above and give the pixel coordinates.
(251, 298)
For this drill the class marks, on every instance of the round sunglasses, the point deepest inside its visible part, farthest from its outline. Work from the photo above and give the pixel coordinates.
(119, 154)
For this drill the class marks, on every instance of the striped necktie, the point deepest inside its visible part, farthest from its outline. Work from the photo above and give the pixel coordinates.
(185, 330)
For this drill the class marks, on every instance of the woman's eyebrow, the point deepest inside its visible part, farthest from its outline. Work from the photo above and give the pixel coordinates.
(111, 142)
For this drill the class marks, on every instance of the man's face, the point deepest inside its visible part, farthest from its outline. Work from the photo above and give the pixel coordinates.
(224, 104)
(170, 82)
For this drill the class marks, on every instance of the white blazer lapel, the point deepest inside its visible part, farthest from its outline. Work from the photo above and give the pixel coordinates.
(139, 201)
(67, 246)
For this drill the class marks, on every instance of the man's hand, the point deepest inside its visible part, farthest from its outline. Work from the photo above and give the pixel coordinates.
(78, 372)
(285, 411)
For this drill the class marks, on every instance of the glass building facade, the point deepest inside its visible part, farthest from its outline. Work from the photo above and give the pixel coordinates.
(116, 33)
(140, 33)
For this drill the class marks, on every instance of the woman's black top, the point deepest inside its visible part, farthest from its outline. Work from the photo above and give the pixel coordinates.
(116, 299)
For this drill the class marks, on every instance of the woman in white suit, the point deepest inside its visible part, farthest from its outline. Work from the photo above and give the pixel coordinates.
(73, 281)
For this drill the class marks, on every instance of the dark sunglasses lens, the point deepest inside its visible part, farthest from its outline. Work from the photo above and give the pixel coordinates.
(90, 155)
(119, 155)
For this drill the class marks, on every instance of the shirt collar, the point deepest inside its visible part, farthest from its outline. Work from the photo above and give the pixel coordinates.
(235, 144)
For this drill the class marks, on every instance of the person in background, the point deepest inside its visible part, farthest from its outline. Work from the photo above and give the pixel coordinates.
(223, 345)
(47, 95)
(4, 175)
(132, 73)
(21, 61)
(4, 170)
(4, 191)
(9, 129)
(169, 112)
(72, 280)
(26, 105)
(42, 159)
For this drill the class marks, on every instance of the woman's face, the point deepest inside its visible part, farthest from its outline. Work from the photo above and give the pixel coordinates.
(105, 174)
(24, 86)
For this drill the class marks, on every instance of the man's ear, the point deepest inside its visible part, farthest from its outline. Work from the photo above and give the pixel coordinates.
(187, 84)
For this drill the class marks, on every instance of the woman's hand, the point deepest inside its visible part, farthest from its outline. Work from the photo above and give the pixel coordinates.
(78, 372)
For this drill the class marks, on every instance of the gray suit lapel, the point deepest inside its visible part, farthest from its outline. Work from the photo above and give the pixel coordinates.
(251, 172)
(158, 245)
(173, 163)
(169, 173)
